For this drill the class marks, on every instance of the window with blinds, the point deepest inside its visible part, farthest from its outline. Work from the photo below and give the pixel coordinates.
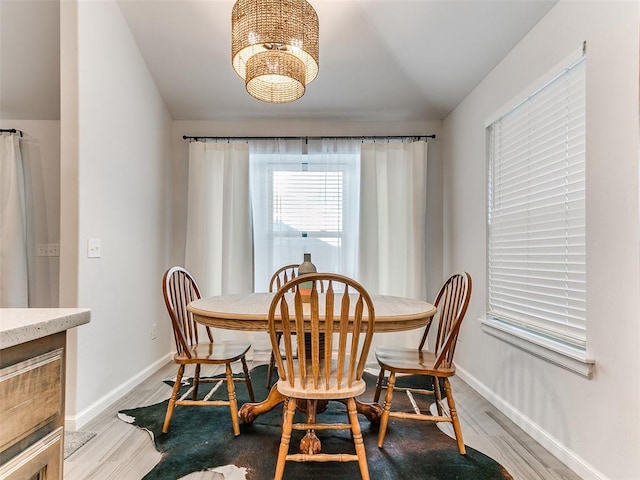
(305, 203)
(536, 212)
(308, 204)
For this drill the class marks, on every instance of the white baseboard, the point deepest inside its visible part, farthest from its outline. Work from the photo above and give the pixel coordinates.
(560, 451)
(259, 356)
(74, 423)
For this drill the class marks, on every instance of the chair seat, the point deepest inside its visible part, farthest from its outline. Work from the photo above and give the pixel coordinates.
(322, 392)
(358, 388)
(214, 353)
(412, 361)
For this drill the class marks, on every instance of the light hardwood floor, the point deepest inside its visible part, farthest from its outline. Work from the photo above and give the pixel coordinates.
(121, 451)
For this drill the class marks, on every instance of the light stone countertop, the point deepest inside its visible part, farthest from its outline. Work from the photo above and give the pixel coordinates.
(20, 325)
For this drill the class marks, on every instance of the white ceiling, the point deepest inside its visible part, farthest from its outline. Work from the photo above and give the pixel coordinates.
(380, 60)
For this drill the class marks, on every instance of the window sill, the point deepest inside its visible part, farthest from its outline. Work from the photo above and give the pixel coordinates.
(553, 351)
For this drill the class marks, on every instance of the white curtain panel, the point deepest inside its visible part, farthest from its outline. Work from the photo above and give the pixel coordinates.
(264, 154)
(13, 248)
(219, 252)
(393, 212)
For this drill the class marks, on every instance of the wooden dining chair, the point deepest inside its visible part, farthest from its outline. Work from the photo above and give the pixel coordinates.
(452, 302)
(279, 278)
(315, 375)
(179, 288)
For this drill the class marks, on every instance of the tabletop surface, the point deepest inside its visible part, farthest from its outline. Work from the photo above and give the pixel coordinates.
(250, 311)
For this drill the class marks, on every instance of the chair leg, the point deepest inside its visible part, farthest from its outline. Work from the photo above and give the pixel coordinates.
(357, 438)
(454, 417)
(172, 400)
(384, 419)
(285, 406)
(379, 384)
(247, 379)
(438, 394)
(287, 426)
(233, 402)
(196, 382)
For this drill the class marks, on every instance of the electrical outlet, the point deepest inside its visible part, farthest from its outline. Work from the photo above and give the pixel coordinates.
(154, 331)
(48, 249)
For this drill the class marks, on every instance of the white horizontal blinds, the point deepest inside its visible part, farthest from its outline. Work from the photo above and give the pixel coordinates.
(307, 213)
(308, 203)
(536, 244)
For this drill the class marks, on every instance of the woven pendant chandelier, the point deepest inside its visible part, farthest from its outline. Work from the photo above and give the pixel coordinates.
(274, 47)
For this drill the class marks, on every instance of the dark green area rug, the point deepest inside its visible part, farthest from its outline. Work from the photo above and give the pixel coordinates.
(200, 438)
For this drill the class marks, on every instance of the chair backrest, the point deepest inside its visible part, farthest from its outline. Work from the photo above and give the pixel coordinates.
(452, 302)
(179, 288)
(282, 276)
(345, 310)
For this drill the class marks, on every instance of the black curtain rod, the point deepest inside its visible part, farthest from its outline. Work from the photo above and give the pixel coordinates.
(354, 137)
(10, 130)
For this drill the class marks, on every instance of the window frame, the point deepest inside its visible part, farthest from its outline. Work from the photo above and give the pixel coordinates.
(530, 335)
(300, 161)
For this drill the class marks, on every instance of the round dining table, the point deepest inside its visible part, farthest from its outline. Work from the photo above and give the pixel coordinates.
(250, 311)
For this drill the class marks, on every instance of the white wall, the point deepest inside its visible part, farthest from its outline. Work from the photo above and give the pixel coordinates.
(115, 187)
(593, 425)
(40, 149)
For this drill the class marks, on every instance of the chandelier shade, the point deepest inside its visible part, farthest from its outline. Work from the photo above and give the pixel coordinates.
(274, 47)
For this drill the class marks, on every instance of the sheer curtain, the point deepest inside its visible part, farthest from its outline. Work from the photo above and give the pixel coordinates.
(219, 251)
(13, 248)
(393, 211)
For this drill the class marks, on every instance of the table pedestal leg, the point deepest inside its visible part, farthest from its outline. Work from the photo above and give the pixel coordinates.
(250, 411)
(373, 411)
(310, 443)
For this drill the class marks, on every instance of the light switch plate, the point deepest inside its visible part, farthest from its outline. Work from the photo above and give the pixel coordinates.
(93, 248)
